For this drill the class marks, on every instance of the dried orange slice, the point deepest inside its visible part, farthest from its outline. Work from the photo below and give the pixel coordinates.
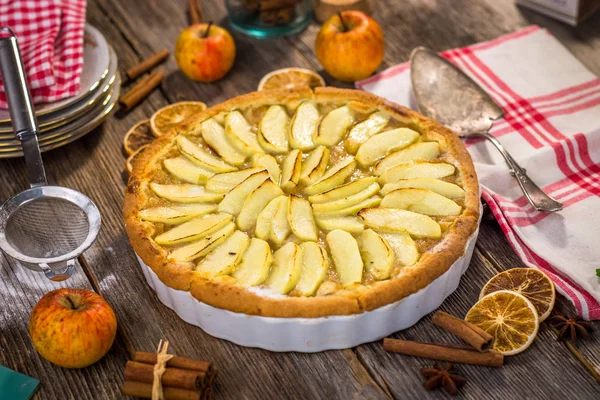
(291, 78)
(130, 163)
(139, 135)
(170, 116)
(531, 283)
(509, 317)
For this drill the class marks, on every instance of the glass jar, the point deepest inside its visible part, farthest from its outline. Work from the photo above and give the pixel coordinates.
(269, 18)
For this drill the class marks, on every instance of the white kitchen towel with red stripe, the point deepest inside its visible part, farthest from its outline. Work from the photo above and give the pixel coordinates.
(552, 128)
(50, 37)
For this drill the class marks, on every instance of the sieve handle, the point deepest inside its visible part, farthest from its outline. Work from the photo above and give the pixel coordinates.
(20, 107)
(61, 275)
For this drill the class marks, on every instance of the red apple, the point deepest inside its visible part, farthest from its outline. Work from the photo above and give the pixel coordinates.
(205, 52)
(72, 328)
(350, 46)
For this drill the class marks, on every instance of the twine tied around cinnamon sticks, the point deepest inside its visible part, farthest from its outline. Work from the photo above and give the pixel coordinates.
(168, 377)
(159, 369)
(478, 352)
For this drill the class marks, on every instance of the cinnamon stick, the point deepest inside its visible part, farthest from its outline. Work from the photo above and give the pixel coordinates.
(144, 390)
(473, 335)
(195, 10)
(147, 64)
(443, 352)
(173, 377)
(141, 90)
(176, 362)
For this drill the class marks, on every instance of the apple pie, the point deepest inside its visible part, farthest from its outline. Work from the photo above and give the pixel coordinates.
(302, 204)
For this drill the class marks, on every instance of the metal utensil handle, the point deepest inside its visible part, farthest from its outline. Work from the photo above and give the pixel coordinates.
(20, 107)
(536, 196)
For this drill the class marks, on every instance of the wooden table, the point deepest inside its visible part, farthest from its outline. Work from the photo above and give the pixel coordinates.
(94, 165)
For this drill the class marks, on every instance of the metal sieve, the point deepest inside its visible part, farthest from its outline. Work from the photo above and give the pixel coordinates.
(45, 228)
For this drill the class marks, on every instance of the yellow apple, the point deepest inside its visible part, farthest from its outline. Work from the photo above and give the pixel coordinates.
(350, 46)
(72, 328)
(205, 52)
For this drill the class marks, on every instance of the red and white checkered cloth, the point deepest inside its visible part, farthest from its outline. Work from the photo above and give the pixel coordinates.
(50, 37)
(552, 128)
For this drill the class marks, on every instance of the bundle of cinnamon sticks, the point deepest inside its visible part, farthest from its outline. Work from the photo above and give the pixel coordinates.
(478, 352)
(273, 12)
(183, 378)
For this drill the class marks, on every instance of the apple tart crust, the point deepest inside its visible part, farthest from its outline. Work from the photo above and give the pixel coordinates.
(302, 204)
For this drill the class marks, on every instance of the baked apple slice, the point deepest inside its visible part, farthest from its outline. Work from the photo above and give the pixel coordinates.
(350, 224)
(304, 126)
(287, 266)
(184, 169)
(404, 247)
(314, 268)
(264, 222)
(290, 170)
(273, 130)
(383, 144)
(225, 258)
(422, 201)
(239, 133)
(446, 189)
(343, 191)
(334, 126)
(255, 265)
(364, 130)
(256, 202)
(424, 151)
(377, 254)
(194, 229)
(333, 177)
(280, 226)
(233, 201)
(185, 193)
(301, 220)
(353, 209)
(265, 161)
(396, 220)
(346, 257)
(201, 157)
(176, 214)
(314, 165)
(223, 183)
(348, 201)
(418, 170)
(214, 136)
(201, 247)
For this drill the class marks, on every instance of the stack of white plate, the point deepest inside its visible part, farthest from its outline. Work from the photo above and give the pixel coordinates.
(66, 120)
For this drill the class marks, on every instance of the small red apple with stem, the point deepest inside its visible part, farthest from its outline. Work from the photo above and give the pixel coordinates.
(72, 328)
(350, 46)
(205, 52)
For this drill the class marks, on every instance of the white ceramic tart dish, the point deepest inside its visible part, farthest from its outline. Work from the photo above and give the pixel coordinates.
(309, 335)
(303, 207)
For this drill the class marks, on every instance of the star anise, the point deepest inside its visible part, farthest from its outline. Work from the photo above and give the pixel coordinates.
(440, 376)
(570, 327)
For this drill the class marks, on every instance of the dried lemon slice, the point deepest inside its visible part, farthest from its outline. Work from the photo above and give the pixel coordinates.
(291, 78)
(130, 163)
(509, 317)
(531, 283)
(165, 119)
(138, 136)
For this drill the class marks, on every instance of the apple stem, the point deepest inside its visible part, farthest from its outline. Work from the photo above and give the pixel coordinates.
(205, 35)
(344, 26)
(71, 302)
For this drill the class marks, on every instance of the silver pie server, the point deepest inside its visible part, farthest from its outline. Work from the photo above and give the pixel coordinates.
(446, 94)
